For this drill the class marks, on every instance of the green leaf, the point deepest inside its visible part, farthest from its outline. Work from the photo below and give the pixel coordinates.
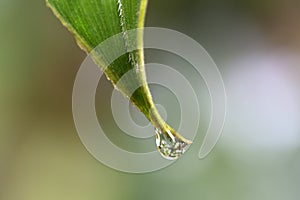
(92, 22)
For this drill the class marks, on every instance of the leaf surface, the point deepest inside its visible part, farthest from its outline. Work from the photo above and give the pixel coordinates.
(92, 22)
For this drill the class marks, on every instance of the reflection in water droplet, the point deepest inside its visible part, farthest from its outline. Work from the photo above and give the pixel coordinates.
(169, 145)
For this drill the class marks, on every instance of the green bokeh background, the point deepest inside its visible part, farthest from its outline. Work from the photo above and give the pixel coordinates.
(41, 156)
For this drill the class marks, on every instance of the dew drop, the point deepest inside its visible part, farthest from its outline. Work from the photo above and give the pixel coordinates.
(169, 145)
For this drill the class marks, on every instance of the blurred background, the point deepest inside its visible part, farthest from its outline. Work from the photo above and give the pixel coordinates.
(256, 45)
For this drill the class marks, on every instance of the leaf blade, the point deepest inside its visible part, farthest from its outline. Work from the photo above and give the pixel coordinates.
(92, 22)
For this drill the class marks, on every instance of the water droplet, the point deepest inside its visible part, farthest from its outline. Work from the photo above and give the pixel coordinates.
(169, 145)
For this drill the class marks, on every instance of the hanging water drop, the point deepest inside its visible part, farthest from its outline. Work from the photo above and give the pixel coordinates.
(170, 145)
